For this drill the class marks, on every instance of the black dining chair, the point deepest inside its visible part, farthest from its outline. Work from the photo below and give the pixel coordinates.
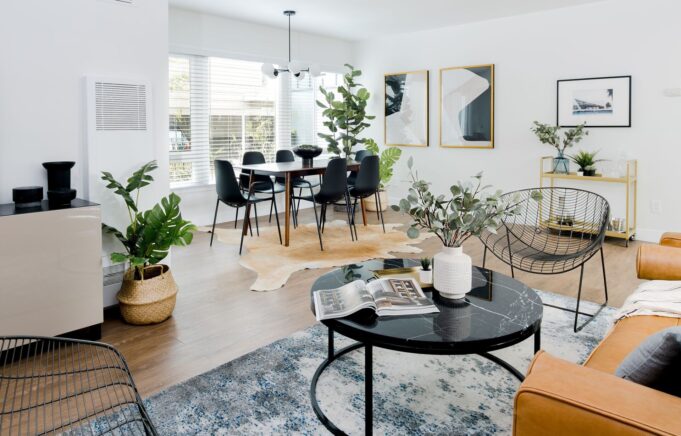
(359, 156)
(296, 182)
(230, 193)
(333, 189)
(556, 230)
(367, 184)
(261, 184)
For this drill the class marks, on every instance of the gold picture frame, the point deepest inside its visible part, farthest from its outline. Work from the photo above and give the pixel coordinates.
(443, 142)
(426, 106)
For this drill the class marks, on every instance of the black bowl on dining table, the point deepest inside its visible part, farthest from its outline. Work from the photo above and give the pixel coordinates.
(307, 153)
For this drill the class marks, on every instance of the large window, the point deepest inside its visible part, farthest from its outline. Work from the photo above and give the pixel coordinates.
(221, 108)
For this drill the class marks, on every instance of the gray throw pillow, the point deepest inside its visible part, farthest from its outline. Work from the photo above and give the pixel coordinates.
(656, 362)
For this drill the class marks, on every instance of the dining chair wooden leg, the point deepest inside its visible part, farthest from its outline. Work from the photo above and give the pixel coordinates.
(276, 215)
(215, 217)
(380, 210)
(316, 220)
(236, 217)
(255, 212)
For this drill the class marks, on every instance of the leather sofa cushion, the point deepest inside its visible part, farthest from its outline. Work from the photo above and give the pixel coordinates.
(624, 337)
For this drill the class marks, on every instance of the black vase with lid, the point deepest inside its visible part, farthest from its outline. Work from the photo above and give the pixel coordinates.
(59, 191)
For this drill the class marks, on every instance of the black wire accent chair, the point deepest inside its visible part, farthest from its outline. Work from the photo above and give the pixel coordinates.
(333, 189)
(262, 184)
(557, 233)
(367, 184)
(230, 193)
(296, 182)
(67, 386)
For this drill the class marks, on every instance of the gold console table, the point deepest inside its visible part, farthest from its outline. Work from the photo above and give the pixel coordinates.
(629, 180)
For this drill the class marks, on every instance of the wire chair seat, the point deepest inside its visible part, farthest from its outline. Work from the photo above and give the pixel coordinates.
(554, 231)
(67, 386)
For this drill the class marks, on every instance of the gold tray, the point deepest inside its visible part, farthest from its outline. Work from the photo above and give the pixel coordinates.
(402, 273)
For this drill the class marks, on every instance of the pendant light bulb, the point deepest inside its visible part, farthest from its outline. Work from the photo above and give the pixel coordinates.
(269, 70)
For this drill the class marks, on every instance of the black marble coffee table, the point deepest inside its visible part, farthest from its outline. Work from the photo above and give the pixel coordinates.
(498, 312)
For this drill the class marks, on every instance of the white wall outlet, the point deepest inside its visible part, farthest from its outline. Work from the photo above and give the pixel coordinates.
(655, 207)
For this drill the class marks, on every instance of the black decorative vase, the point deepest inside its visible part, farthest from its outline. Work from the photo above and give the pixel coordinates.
(59, 191)
(307, 153)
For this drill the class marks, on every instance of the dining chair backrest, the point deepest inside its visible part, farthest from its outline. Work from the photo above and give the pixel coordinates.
(368, 177)
(284, 156)
(335, 182)
(361, 154)
(226, 184)
(252, 158)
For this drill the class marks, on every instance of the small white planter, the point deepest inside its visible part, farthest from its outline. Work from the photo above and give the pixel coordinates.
(426, 277)
(452, 273)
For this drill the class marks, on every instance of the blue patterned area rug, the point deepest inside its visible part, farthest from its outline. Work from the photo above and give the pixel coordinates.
(267, 391)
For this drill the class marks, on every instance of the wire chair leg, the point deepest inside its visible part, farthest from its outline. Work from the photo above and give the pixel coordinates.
(236, 216)
(510, 256)
(347, 211)
(300, 194)
(215, 217)
(378, 203)
(323, 217)
(379, 212)
(605, 279)
(579, 297)
(271, 205)
(484, 257)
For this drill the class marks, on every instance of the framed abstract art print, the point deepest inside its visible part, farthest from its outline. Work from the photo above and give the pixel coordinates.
(406, 108)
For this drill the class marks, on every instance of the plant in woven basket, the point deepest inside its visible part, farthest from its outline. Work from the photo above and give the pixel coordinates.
(151, 233)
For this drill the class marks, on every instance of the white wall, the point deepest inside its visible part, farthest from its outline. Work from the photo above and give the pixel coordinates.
(195, 33)
(530, 52)
(48, 48)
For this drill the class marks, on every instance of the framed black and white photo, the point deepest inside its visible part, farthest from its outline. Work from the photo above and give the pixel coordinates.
(406, 108)
(596, 102)
(467, 107)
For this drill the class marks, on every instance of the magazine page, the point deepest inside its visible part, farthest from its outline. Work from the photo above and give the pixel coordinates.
(399, 297)
(343, 301)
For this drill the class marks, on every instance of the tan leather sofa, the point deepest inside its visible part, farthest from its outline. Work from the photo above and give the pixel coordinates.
(562, 398)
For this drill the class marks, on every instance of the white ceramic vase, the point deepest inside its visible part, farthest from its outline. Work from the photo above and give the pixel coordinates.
(452, 273)
(426, 277)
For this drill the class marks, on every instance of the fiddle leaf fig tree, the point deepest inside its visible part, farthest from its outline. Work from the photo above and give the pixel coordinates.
(151, 233)
(345, 114)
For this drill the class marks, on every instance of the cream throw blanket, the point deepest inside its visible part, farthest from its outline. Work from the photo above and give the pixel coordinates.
(656, 297)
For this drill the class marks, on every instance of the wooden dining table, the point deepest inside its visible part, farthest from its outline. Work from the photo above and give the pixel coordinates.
(289, 171)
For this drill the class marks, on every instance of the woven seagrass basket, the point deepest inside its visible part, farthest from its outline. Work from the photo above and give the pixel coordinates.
(148, 301)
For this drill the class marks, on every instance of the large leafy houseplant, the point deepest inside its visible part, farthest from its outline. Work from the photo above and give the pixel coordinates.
(388, 159)
(346, 116)
(151, 233)
(467, 212)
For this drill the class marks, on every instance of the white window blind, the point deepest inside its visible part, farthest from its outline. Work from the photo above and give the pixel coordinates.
(221, 108)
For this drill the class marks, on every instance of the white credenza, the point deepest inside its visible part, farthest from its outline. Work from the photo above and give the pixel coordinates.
(51, 271)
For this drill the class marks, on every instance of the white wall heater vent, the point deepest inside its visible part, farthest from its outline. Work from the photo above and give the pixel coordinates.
(121, 106)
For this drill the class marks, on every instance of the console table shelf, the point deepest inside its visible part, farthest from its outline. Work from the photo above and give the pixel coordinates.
(629, 180)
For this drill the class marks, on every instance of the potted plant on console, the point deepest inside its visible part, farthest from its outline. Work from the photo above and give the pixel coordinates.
(148, 292)
(551, 135)
(388, 159)
(586, 162)
(467, 212)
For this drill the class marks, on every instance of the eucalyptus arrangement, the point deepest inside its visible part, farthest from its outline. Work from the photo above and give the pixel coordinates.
(148, 291)
(346, 115)
(551, 135)
(586, 162)
(468, 211)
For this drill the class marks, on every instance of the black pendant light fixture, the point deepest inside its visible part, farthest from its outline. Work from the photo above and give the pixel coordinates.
(296, 68)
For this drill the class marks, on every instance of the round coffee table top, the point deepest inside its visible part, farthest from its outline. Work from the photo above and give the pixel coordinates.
(498, 312)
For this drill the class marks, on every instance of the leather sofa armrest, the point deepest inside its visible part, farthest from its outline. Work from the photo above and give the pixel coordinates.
(658, 262)
(562, 398)
(671, 239)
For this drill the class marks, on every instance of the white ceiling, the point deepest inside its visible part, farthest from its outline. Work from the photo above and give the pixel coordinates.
(362, 19)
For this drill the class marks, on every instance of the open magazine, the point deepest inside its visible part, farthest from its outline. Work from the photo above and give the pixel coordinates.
(384, 296)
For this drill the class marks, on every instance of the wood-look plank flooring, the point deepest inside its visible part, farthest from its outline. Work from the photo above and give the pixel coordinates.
(218, 319)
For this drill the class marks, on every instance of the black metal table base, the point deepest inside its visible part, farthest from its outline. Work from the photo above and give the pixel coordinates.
(368, 379)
